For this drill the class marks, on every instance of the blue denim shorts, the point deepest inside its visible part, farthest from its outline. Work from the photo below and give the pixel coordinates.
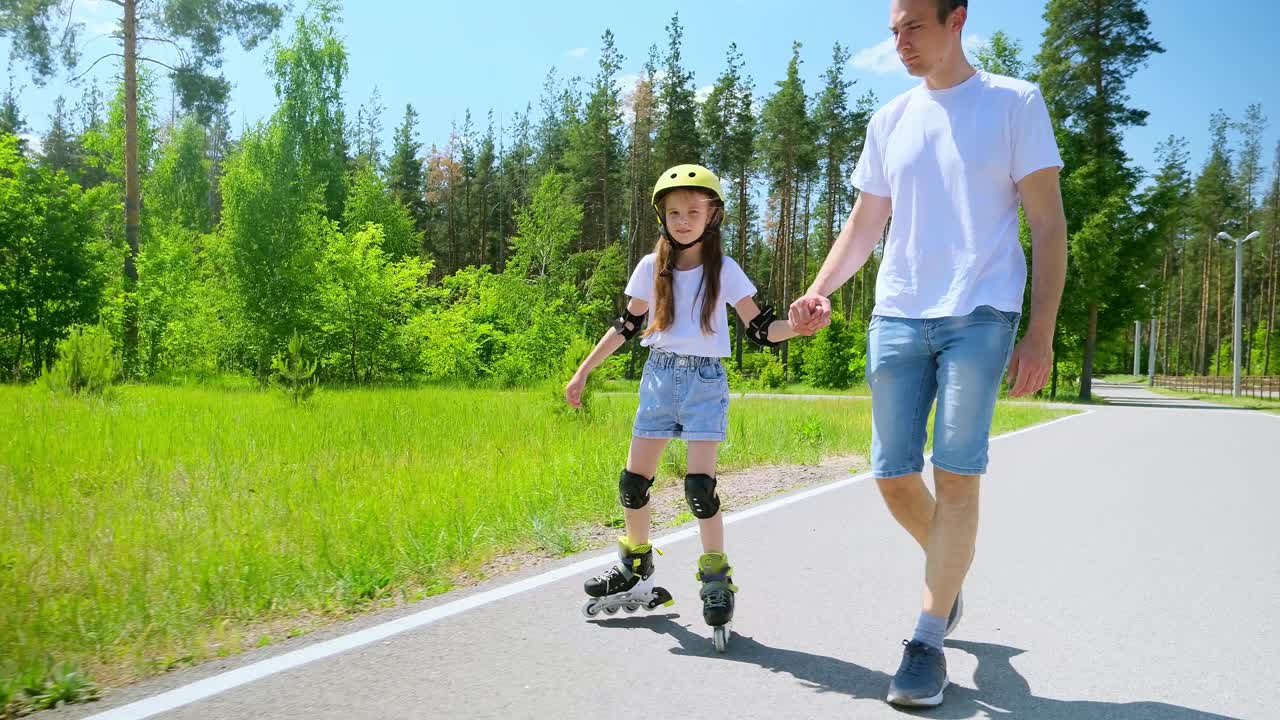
(682, 397)
(960, 361)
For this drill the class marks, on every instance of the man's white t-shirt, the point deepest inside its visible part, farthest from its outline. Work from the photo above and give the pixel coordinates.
(685, 336)
(949, 161)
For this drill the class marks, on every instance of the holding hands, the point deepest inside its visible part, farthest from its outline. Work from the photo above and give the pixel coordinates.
(810, 313)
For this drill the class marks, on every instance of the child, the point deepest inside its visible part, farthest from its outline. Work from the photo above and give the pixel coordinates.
(684, 394)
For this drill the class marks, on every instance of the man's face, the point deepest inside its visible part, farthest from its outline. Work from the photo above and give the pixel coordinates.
(923, 42)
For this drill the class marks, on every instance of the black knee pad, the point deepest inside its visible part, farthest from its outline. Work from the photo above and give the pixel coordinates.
(700, 493)
(633, 490)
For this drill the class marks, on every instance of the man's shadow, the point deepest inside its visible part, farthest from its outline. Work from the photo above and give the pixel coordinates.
(1001, 690)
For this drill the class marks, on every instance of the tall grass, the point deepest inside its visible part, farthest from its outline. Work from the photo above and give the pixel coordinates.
(155, 525)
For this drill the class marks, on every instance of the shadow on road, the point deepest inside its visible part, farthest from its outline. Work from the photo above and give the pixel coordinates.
(1001, 691)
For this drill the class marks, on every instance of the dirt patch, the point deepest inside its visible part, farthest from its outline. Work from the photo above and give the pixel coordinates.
(737, 491)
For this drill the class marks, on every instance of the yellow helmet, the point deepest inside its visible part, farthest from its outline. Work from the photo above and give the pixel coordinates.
(685, 176)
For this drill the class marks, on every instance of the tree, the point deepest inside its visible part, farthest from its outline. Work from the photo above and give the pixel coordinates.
(404, 169)
(547, 228)
(1002, 55)
(195, 28)
(60, 148)
(729, 132)
(1167, 202)
(1216, 207)
(178, 188)
(363, 296)
(787, 144)
(371, 203)
(677, 139)
(47, 283)
(596, 150)
(1089, 52)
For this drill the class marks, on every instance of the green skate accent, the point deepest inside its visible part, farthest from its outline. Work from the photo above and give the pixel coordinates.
(714, 564)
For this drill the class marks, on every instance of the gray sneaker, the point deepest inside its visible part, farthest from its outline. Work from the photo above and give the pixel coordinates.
(921, 677)
(953, 619)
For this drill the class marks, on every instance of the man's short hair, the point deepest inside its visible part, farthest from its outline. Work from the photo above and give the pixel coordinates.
(946, 7)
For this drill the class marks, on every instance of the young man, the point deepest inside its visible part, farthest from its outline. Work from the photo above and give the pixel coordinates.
(950, 160)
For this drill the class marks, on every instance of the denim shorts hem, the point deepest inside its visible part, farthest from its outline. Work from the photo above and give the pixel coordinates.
(678, 435)
(890, 474)
(956, 470)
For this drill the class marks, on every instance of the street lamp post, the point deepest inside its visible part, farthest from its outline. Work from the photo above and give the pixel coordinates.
(1137, 342)
(1235, 335)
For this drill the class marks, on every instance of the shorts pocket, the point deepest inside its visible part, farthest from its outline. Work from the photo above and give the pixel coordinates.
(711, 373)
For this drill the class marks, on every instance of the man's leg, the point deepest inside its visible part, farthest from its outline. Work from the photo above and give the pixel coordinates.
(910, 503)
(949, 547)
(973, 352)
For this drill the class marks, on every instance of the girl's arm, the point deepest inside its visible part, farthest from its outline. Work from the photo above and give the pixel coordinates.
(609, 344)
(779, 330)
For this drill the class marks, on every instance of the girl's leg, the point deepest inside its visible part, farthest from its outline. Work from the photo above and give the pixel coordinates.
(642, 460)
(702, 459)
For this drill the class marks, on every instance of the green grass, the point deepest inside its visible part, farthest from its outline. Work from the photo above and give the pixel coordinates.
(1122, 379)
(859, 390)
(1248, 403)
(173, 524)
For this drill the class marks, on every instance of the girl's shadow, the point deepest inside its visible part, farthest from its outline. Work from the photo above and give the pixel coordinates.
(1000, 690)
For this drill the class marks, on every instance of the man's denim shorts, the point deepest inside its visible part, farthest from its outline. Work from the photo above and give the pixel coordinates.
(960, 361)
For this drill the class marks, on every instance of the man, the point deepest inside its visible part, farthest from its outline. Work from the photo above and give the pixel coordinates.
(950, 160)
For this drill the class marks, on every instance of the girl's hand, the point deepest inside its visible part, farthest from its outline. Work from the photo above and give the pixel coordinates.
(573, 391)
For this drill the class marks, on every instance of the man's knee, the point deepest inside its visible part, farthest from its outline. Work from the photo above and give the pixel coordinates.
(901, 490)
(955, 490)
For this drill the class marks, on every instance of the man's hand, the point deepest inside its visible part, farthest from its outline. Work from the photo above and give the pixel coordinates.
(810, 313)
(1031, 363)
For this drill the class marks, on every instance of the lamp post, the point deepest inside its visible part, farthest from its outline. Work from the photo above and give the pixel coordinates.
(1137, 342)
(1235, 335)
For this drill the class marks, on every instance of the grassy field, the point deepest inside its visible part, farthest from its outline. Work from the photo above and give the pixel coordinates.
(171, 525)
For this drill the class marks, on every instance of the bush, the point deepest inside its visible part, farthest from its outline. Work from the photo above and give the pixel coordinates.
(836, 357)
(87, 363)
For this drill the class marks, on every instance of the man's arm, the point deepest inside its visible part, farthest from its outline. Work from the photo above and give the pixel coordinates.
(858, 238)
(1032, 359)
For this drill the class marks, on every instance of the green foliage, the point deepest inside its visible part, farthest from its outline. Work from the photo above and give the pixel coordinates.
(836, 356)
(295, 373)
(87, 363)
(363, 296)
(49, 281)
(371, 202)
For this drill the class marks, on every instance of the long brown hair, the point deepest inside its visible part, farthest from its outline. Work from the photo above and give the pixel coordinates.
(663, 313)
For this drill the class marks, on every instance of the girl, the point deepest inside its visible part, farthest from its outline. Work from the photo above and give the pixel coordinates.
(684, 394)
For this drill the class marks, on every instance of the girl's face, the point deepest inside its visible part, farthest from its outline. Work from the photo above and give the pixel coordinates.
(686, 214)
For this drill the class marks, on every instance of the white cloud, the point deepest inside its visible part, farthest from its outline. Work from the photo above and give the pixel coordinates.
(577, 53)
(35, 143)
(703, 92)
(881, 58)
(972, 43)
(99, 16)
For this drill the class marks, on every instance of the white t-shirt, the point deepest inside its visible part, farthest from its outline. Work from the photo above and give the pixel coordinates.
(949, 161)
(685, 336)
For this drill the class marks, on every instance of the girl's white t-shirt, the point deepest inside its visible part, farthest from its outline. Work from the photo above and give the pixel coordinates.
(685, 336)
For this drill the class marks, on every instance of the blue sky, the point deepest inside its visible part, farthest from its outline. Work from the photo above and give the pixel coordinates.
(447, 57)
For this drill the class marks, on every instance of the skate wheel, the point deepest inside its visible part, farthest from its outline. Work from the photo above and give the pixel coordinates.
(611, 610)
(630, 608)
(589, 609)
(720, 637)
